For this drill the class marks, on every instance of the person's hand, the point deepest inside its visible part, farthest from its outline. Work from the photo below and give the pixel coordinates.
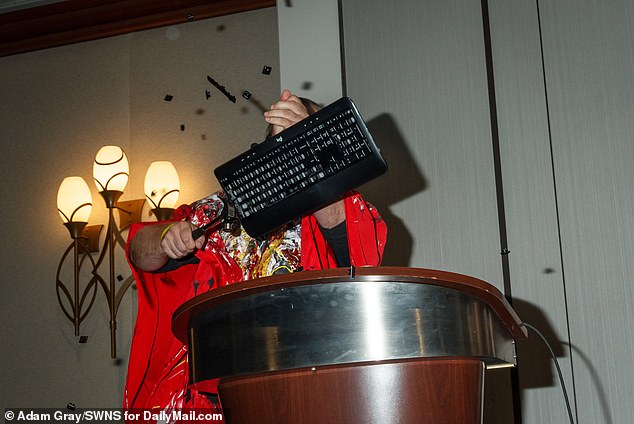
(177, 240)
(288, 111)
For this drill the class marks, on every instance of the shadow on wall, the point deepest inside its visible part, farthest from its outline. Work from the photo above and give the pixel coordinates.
(534, 361)
(596, 381)
(402, 180)
(534, 368)
(535, 365)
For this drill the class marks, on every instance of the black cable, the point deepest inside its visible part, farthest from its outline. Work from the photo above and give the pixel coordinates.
(554, 178)
(561, 377)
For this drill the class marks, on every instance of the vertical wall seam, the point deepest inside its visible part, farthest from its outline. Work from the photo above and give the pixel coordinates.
(495, 140)
(556, 199)
(342, 49)
(499, 190)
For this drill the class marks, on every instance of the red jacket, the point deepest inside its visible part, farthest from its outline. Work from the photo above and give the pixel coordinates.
(157, 377)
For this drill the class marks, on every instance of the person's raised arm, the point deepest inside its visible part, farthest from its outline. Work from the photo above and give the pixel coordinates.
(287, 111)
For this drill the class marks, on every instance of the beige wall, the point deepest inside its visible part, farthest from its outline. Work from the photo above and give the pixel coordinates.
(310, 58)
(59, 107)
(566, 128)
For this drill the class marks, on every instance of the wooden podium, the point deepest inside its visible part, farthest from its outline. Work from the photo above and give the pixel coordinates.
(350, 345)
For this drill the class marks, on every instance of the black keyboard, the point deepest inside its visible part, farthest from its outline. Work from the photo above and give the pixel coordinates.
(303, 168)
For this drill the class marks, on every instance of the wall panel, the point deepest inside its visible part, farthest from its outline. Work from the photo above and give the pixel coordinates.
(536, 273)
(589, 61)
(417, 72)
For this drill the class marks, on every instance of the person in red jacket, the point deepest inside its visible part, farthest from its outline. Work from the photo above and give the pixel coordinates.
(171, 267)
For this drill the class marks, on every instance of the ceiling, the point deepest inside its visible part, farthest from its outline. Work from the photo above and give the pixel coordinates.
(28, 25)
(11, 5)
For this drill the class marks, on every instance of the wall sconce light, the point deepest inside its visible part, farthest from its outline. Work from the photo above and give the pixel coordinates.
(162, 188)
(74, 204)
(110, 172)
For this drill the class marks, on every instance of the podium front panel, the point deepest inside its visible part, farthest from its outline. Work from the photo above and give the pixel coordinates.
(343, 323)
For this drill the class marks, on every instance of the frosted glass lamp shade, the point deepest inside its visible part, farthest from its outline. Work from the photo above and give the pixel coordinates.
(110, 169)
(74, 201)
(162, 185)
